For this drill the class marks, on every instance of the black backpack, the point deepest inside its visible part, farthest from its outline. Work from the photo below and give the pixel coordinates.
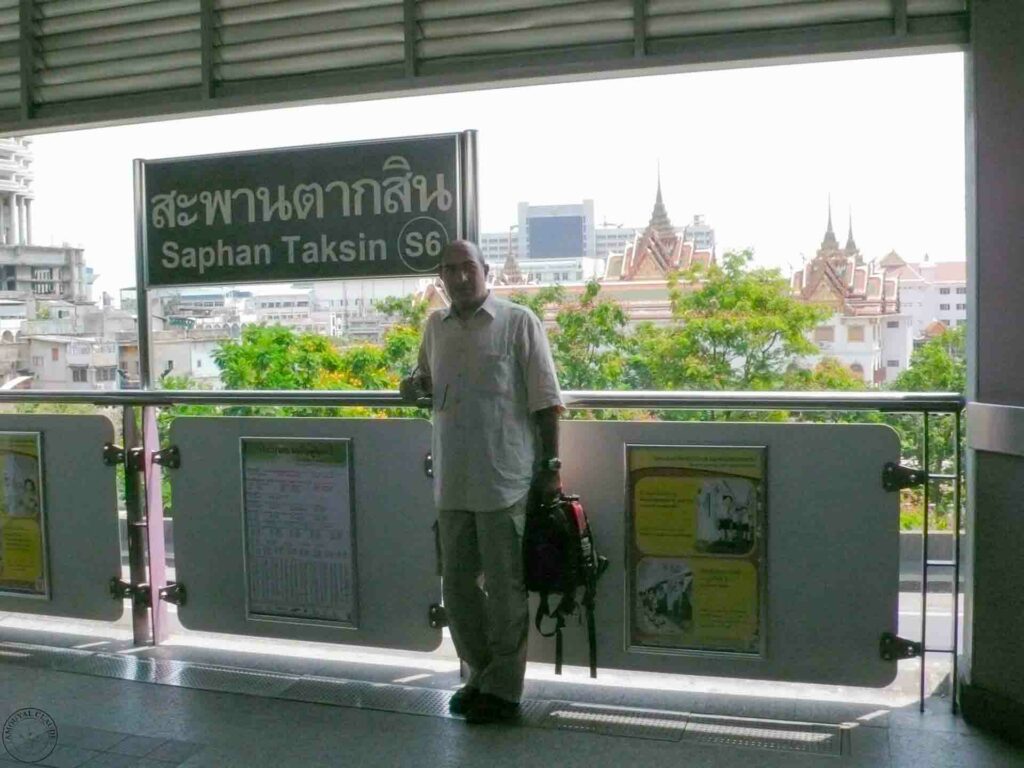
(559, 557)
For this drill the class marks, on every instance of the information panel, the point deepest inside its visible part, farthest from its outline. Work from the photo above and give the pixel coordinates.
(298, 529)
(751, 550)
(24, 569)
(59, 543)
(695, 516)
(307, 529)
(363, 209)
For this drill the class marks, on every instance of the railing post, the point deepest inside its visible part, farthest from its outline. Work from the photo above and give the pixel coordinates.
(136, 525)
(924, 558)
(154, 524)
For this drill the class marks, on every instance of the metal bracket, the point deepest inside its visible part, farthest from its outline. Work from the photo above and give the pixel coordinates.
(428, 465)
(438, 616)
(168, 457)
(113, 454)
(139, 593)
(174, 593)
(895, 477)
(135, 459)
(892, 648)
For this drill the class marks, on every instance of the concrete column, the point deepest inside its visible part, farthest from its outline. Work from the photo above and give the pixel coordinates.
(28, 221)
(992, 687)
(21, 219)
(6, 208)
(14, 234)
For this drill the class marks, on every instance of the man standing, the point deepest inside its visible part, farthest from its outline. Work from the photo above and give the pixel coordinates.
(487, 365)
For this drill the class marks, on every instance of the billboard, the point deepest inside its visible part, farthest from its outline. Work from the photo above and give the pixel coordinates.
(365, 209)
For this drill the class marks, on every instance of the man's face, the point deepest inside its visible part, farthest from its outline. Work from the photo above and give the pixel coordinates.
(463, 276)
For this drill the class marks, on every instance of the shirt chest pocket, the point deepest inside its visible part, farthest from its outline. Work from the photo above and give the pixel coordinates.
(494, 374)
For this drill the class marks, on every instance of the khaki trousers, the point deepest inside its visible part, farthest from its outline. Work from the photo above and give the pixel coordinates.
(489, 622)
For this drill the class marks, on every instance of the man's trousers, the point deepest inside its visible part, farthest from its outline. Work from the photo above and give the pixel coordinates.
(489, 621)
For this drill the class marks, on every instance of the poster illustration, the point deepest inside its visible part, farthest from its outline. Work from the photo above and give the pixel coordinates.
(23, 565)
(696, 521)
(298, 529)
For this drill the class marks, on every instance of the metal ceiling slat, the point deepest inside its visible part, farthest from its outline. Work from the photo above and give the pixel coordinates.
(360, 57)
(933, 7)
(576, 15)
(328, 41)
(65, 57)
(123, 67)
(10, 82)
(55, 8)
(524, 40)
(286, 9)
(117, 86)
(10, 17)
(789, 15)
(120, 33)
(301, 25)
(133, 14)
(451, 9)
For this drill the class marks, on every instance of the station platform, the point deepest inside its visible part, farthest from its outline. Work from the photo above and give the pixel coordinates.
(219, 701)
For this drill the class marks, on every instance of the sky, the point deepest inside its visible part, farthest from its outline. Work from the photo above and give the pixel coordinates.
(757, 151)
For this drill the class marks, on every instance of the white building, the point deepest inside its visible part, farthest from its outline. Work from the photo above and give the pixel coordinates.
(868, 330)
(189, 354)
(930, 291)
(72, 362)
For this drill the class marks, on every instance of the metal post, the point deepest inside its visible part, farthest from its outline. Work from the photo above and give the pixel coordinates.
(141, 297)
(154, 524)
(470, 225)
(956, 556)
(136, 525)
(924, 560)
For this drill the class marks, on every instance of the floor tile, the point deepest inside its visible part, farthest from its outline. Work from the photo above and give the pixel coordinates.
(67, 757)
(140, 746)
(175, 751)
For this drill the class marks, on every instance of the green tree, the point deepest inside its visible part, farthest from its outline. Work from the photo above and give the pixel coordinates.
(735, 327)
(274, 357)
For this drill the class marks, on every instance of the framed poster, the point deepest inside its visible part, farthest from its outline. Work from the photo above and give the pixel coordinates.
(298, 530)
(24, 569)
(695, 548)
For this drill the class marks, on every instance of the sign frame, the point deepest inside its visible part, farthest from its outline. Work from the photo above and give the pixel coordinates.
(633, 551)
(465, 203)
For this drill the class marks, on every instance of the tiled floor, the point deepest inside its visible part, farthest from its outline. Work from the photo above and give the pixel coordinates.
(108, 721)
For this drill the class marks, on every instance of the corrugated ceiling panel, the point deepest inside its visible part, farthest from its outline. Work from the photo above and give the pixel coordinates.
(94, 48)
(10, 60)
(451, 28)
(263, 39)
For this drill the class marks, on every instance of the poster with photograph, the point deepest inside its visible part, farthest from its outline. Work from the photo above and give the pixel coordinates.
(299, 529)
(696, 522)
(23, 563)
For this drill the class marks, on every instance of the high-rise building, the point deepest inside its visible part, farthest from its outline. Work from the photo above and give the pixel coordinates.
(29, 271)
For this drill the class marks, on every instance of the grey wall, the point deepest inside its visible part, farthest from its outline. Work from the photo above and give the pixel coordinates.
(996, 114)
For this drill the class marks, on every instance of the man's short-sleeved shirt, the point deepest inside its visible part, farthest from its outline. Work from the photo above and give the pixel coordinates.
(490, 373)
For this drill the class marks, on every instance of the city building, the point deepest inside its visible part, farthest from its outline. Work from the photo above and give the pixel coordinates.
(930, 291)
(867, 330)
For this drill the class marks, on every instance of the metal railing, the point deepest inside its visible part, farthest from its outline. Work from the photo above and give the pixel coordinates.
(141, 515)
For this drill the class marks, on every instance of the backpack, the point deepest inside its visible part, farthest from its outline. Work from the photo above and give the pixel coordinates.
(559, 557)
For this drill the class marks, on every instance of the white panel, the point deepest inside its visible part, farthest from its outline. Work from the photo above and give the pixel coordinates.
(832, 548)
(80, 504)
(394, 513)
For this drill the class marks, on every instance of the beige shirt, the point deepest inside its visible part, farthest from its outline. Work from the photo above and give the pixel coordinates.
(490, 373)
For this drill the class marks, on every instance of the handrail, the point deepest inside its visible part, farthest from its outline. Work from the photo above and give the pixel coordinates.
(891, 402)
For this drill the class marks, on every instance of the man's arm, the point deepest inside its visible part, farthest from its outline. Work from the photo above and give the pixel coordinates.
(547, 482)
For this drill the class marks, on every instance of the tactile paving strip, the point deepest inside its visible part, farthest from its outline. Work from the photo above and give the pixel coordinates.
(617, 721)
(817, 738)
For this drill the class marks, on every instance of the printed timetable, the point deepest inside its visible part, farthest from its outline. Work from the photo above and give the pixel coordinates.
(298, 529)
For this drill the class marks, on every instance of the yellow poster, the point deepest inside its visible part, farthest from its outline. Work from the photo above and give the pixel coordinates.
(22, 528)
(697, 526)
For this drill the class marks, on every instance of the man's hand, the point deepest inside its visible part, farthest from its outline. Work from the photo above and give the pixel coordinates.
(415, 387)
(547, 484)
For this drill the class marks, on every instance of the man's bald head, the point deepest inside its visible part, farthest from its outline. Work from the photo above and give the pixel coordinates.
(464, 246)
